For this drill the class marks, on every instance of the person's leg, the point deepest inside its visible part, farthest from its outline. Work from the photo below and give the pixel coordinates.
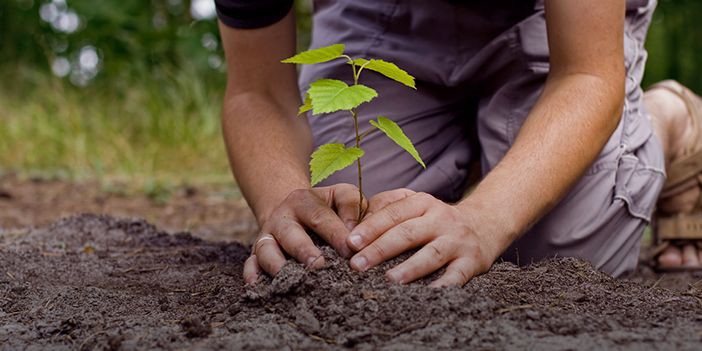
(602, 218)
(433, 116)
(672, 124)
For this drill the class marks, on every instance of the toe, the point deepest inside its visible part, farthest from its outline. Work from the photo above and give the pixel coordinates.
(671, 257)
(690, 258)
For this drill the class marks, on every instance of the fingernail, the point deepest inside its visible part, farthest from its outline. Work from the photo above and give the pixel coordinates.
(356, 241)
(394, 276)
(359, 263)
(350, 225)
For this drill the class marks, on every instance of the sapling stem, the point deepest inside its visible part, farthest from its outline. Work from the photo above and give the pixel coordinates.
(358, 143)
(368, 131)
(358, 163)
(330, 95)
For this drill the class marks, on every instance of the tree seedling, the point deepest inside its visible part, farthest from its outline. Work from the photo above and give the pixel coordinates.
(331, 95)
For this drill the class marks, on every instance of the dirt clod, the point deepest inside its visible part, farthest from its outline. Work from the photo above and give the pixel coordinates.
(152, 290)
(195, 327)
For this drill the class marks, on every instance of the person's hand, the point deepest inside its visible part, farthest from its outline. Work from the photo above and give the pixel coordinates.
(329, 211)
(400, 220)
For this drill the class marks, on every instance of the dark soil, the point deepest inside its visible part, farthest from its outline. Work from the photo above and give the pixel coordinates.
(213, 212)
(96, 282)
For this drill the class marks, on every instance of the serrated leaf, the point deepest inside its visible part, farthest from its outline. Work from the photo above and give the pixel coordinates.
(387, 69)
(330, 95)
(320, 55)
(306, 106)
(394, 132)
(330, 158)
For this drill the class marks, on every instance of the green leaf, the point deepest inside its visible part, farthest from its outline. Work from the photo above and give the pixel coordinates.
(329, 95)
(330, 158)
(306, 106)
(387, 69)
(320, 55)
(394, 132)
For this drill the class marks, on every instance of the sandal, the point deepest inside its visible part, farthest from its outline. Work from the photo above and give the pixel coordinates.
(683, 173)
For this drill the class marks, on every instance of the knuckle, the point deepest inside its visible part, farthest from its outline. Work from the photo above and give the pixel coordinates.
(393, 214)
(292, 243)
(318, 217)
(405, 233)
(297, 195)
(463, 273)
(436, 253)
(345, 187)
(378, 250)
(401, 192)
(423, 197)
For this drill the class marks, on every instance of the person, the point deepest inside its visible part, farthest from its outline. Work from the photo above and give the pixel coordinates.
(544, 94)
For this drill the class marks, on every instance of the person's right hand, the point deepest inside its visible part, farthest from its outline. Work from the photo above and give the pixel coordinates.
(331, 212)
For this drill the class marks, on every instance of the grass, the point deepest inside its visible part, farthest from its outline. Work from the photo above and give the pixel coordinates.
(160, 130)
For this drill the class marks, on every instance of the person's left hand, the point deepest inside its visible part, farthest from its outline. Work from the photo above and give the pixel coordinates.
(400, 220)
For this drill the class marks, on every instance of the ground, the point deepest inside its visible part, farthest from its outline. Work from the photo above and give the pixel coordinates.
(100, 282)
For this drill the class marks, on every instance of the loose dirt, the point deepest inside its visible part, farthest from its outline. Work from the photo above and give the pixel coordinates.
(96, 282)
(213, 212)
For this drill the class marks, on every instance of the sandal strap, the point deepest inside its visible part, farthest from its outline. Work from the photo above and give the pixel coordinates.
(680, 227)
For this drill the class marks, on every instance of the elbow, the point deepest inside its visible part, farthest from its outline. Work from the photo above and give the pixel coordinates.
(615, 98)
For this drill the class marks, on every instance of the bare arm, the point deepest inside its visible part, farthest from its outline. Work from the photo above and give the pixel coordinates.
(572, 120)
(269, 148)
(268, 145)
(563, 134)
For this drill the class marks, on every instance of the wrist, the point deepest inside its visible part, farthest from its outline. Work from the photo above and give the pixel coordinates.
(496, 228)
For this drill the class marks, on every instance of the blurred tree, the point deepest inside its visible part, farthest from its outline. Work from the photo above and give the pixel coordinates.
(116, 38)
(116, 41)
(674, 43)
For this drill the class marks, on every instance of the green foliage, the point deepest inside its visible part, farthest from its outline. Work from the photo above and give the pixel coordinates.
(674, 44)
(394, 132)
(306, 105)
(331, 95)
(387, 69)
(320, 55)
(330, 158)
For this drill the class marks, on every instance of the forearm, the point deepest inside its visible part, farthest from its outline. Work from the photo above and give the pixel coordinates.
(562, 136)
(268, 147)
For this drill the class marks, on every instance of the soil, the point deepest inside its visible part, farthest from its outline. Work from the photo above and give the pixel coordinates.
(97, 282)
(209, 212)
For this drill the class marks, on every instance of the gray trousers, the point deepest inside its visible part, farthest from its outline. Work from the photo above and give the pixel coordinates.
(480, 67)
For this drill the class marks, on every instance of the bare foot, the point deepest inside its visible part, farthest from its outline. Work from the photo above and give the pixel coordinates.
(673, 126)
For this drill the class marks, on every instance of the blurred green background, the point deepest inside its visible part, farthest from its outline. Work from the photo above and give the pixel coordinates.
(131, 89)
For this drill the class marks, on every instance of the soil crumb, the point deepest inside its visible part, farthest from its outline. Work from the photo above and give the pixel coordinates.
(94, 282)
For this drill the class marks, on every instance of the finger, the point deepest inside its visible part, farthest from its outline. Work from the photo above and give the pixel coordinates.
(269, 256)
(458, 273)
(404, 236)
(391, 215)
(317, 215)
(251, 270)
(346, 199)
(429, 259)
(294, 240)
(380, 200)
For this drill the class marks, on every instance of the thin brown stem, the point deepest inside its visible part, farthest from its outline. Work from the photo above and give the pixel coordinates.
(365, 134)
(358, 163)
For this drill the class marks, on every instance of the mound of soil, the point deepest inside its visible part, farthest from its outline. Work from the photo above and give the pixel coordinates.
(96, 282)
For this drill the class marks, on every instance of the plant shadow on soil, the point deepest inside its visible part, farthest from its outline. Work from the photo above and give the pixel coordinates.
(97, 282)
